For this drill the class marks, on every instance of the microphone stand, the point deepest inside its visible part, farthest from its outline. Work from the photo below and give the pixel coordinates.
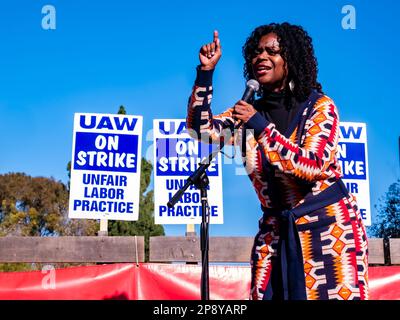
(200, 180)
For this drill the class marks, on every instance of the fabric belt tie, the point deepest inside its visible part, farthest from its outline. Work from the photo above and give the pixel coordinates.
(289, 246)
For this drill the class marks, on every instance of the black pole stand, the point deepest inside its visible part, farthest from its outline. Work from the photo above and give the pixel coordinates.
(202, 184)
(200, 180)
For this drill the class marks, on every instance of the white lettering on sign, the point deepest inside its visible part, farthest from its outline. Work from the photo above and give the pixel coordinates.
(106, 160)
(341, 149)
(176, 157)
(353, 167)
(111, 142)
(105, 167)
(353, 158)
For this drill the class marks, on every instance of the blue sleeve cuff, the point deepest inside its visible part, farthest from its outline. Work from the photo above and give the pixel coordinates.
(258, 123)
(204, 77)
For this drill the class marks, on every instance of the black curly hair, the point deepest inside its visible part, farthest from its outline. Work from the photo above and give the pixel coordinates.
(297, 51)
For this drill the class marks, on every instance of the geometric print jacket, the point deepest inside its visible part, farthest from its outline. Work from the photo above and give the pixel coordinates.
(297, 178)
(275, 161)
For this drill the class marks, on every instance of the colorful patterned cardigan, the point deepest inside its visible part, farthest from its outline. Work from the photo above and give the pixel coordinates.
(311, 233)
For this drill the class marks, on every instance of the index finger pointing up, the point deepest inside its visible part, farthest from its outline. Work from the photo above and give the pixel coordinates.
(216, 38)
(215, 35)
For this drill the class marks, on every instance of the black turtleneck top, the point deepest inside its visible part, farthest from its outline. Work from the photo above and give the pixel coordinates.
(279, 108)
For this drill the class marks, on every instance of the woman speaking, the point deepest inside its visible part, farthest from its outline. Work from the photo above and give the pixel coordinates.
(311, 242)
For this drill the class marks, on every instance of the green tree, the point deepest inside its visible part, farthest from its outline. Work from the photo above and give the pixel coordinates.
(121, 110)
(145, 225)
(388, 218)
(36, 206)
(387, 224)
(69, 174)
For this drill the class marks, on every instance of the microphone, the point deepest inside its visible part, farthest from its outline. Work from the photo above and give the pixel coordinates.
(252, 86)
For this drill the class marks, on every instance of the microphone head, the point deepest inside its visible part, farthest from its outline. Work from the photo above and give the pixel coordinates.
(253, 84)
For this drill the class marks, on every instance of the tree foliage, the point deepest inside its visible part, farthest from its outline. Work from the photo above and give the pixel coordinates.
(388, 218)
(37, 206)
(121, 110)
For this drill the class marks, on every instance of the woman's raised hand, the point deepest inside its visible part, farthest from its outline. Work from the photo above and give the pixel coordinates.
(210, 53)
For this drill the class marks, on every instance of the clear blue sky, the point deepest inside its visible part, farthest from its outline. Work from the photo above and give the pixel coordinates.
(142, 54)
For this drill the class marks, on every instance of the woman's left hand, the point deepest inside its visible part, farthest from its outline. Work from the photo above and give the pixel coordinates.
(243, 111)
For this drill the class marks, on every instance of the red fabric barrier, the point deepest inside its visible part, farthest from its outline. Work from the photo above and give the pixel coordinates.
(114, 281)
(384, 283)
(173, 282)
(155, 281)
